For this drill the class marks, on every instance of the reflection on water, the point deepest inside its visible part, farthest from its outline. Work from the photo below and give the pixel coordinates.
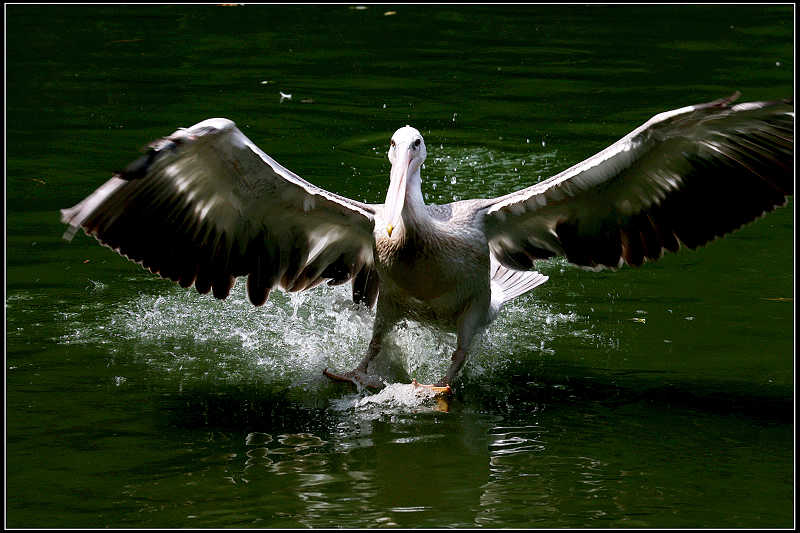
(554, 472)
(557, 467)
(396, 471)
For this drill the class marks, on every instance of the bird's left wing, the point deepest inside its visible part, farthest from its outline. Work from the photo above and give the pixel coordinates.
(205, 205)
(685, 177)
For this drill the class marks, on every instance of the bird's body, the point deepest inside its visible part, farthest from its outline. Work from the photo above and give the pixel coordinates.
(205, 205)
(434, 269)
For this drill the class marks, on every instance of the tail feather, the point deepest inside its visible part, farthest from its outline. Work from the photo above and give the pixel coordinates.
(507, 283)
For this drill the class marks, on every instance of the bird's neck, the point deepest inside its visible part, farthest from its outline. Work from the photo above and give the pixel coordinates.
(414, 213)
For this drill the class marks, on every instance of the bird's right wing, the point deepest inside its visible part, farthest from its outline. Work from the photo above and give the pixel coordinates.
(686, 177)
(205, 205)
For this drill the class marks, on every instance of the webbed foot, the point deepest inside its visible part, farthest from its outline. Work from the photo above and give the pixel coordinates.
(356, 377)
(441, 389)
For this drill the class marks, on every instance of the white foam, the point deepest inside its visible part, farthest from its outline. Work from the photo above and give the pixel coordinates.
(397, 397)
(295, 336)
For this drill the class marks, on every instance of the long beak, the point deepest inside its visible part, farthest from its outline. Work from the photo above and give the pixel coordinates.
(396, 196)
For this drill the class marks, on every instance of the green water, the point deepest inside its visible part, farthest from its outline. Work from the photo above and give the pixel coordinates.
(131, 402)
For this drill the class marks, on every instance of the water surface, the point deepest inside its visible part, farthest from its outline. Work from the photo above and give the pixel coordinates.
(652, 397)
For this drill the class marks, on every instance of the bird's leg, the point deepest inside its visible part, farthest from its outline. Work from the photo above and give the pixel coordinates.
(443, 385)
(468, 325)
(457, 360)
(358, 376)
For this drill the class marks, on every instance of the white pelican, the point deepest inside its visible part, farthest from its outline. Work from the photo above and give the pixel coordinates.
(205, 206)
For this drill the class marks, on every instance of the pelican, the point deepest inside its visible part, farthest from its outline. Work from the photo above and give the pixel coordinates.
(205, 206)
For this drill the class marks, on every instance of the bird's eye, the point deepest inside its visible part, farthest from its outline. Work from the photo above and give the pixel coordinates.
(392, 143)
(416, 143)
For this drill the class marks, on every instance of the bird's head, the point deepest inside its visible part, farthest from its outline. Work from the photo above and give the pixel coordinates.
(407, 152)
(407, 145)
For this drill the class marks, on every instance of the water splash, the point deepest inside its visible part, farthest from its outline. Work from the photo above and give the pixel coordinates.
(395, 397)
(293, 337)
(482, 172)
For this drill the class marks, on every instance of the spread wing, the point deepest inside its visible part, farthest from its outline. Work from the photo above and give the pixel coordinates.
(205, 205)
(685, 177)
